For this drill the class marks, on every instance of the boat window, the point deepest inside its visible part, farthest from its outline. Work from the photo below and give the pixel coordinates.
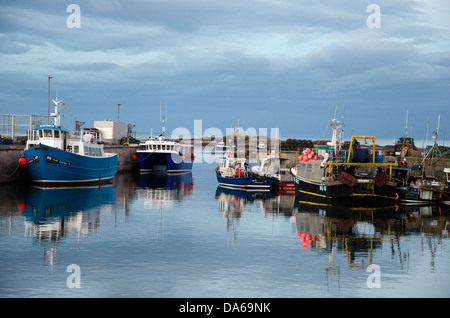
(76, 149)
(56, 133)
(40, 133)
(69, 148)
(48, 133)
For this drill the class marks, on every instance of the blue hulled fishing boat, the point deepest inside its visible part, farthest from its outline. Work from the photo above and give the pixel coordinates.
(55, 156)
(161, 154)
(235, 173)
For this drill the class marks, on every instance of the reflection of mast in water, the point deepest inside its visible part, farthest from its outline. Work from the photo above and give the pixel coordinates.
(332, 270)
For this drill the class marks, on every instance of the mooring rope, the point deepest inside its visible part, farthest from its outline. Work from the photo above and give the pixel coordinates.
(13, 172)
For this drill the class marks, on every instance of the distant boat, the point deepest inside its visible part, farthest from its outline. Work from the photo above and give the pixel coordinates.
(161, 154)
(261, 146)
(414, 186)
(422, 190)
(220, 148)
(55, 156)
(235, 173)
(349, 177)
(444, 196)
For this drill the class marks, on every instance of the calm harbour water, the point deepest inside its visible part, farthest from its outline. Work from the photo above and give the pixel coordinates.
(156, 236)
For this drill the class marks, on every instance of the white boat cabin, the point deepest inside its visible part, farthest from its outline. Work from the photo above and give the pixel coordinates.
(161, 145)
(447, 174)
(86, 142)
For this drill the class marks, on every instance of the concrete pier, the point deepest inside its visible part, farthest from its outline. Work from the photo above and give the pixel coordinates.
(10, 170)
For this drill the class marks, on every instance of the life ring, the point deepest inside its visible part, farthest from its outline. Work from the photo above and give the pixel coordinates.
(401, 163)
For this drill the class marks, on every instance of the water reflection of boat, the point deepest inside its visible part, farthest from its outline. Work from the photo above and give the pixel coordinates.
(357, 233)
(163, 189)
(232, 201)
(279, 204)
(433, 220)
(53, 213)
(44, 204)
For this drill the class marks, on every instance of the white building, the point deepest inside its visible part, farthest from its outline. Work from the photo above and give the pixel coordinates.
(112, 131)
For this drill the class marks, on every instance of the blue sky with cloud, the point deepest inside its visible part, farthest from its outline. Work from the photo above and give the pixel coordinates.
(262, 63)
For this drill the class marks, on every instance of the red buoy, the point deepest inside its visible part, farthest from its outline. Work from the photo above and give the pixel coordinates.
(22, 161)
(134, 157)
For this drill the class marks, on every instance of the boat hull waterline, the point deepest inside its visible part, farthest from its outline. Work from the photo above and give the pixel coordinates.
(51, 166)
(172, 163)
(247, 182)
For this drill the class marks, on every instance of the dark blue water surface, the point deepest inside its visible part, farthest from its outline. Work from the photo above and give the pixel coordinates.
(182, 236)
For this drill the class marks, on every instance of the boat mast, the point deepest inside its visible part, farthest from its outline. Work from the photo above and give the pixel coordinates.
(163, 120)
(56, 114)
(435, 145)
(335, 125)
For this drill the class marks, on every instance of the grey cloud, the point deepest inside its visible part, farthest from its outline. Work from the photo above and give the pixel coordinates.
(94, 67)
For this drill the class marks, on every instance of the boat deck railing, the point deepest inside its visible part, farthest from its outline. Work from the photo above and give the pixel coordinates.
(32, 134)
(386, 166)
(344, 158)
(78, 134)
(231, 173)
